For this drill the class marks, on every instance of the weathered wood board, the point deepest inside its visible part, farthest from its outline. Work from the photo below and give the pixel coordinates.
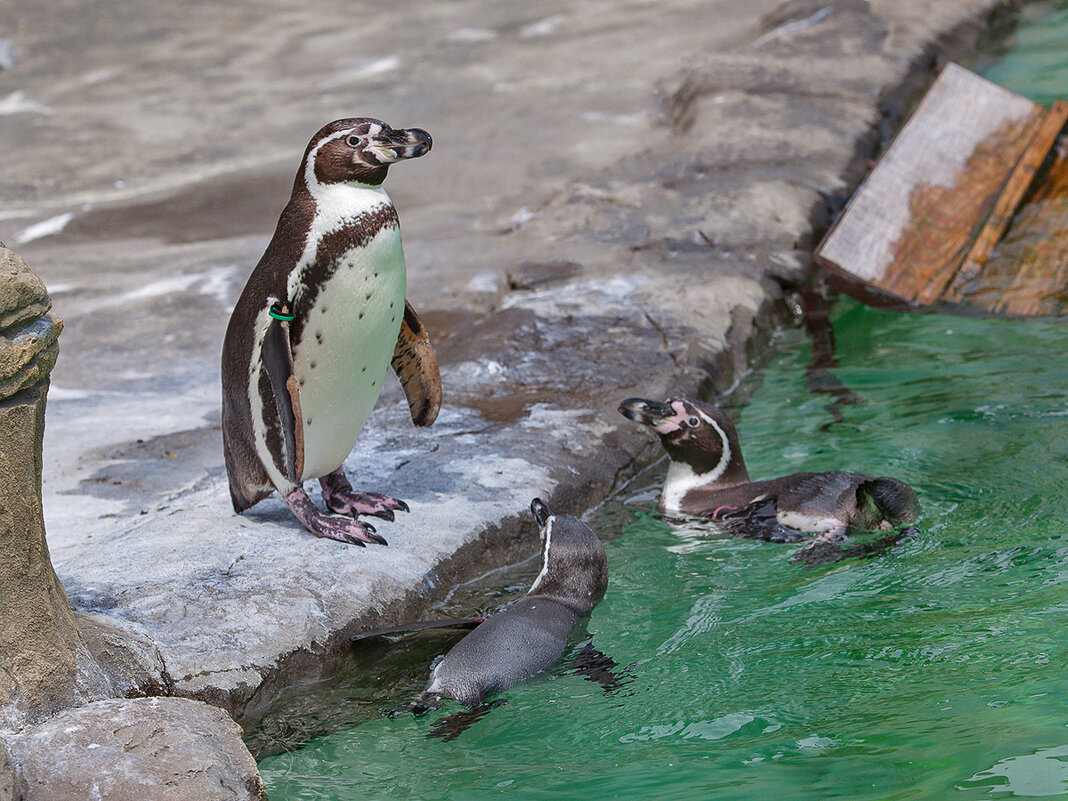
(1027, 274)
(920, 231)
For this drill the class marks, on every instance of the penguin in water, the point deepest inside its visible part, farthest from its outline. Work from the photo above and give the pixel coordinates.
(531, 635)
(321, 319)
(707, 477)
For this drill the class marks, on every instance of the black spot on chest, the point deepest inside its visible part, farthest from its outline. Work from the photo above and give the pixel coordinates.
(329, 254)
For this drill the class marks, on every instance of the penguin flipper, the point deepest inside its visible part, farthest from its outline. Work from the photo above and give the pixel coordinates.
(276, 355)
(417, 368)
(759, 521)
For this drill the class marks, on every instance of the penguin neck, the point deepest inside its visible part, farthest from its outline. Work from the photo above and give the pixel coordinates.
(685, 476)
(578, 583)
(338, 203)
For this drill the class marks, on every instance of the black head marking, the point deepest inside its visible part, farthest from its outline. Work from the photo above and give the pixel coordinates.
(360, 150)
(693, 433)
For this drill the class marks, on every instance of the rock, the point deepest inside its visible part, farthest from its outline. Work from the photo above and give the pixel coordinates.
(22, 294)
(46, 664)
(7, 776)
(164, 749)
(538, 274)
(130, 659)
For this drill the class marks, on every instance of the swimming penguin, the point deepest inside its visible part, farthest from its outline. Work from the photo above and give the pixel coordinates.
(530, 635)
(321, 319)
(707, 477)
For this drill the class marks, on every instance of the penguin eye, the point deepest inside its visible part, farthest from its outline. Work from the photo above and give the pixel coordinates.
(353, 140)
(693, 422)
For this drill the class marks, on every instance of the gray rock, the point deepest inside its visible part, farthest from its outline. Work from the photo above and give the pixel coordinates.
(164, 749)
(22, 293)
(7, 776)
(45, 665)
(131, 660)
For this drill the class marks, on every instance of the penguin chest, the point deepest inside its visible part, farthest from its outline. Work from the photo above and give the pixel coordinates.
(346, 348)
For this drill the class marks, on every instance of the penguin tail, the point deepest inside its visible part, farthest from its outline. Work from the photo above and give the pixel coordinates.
(894, 501)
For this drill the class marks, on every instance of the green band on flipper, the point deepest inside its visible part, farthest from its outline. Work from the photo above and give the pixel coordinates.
(277, 314)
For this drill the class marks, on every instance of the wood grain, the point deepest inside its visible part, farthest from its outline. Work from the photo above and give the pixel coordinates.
(915, 219)
(1008, 202)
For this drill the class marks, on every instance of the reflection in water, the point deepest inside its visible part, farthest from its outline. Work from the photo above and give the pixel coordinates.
(1043, 773)
(819, 373)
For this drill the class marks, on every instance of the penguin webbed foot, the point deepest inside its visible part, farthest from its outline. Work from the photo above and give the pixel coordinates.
(596, 666)
(826, 547)
(860, 550)
(340, 497)
(426, 702)
(333, 527)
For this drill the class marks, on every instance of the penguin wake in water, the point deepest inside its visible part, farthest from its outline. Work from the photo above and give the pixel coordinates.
(320, 321)
(532, 634)
(707, 477)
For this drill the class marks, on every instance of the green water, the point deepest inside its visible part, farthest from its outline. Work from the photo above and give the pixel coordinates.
(1033, 60)
(937, 669)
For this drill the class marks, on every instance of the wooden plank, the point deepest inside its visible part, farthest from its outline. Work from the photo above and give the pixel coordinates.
(1028, 272)
(1007, 203)
(915, 218)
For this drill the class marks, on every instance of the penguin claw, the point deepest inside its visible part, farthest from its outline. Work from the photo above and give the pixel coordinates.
(346, 501)
(347, 530)
(331, 526)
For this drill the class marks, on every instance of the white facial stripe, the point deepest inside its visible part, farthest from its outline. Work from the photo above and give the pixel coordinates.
(309, 167)
(725, 459)
(544, 556)
(681, 478)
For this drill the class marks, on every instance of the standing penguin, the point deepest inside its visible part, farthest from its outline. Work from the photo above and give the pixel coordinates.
(531, 634)
(321, 319)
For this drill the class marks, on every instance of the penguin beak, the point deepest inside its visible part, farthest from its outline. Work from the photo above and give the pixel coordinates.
(541, 512)
(663, 418)
(647, 412)
(398, 144)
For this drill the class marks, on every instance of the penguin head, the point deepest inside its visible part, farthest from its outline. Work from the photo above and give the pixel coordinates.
(693, 433)
(573, 564)
(359, 150)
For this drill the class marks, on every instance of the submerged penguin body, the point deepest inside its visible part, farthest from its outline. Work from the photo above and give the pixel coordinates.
(531, 635)
(707, 477)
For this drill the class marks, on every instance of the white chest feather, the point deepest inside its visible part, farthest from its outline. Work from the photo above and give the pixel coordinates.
(806, 522)
(346, 348)
(680, 479)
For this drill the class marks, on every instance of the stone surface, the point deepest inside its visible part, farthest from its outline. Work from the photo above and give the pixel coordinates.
(7, 776)
(681, 154)
(51, 659)
(164, 749)
(22, 294)
(45, 664)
